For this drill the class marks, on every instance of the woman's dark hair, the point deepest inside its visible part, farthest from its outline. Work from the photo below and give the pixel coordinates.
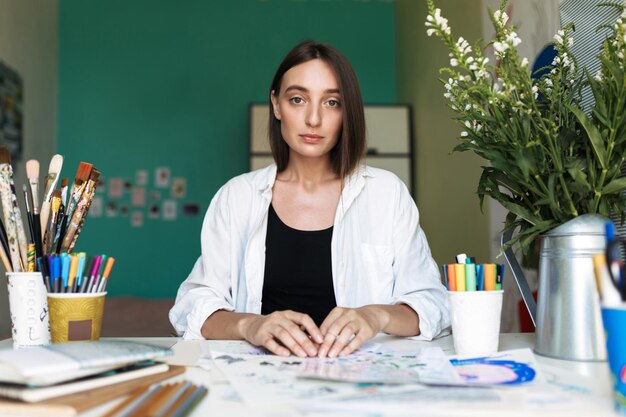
(350, 147)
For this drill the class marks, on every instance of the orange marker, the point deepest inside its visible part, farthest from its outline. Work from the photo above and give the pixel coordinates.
(490, 277)
(105, 274)
(451, 277)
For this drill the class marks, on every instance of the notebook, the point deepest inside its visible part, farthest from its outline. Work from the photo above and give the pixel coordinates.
(73, 404)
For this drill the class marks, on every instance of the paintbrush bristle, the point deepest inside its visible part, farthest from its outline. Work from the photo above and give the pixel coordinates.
(56, 201)
(64, 182)
(56, 163)
(5, 155)
(83, 171)
(32, 169)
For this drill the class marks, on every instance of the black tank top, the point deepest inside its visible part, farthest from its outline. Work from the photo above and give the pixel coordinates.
(298, 273)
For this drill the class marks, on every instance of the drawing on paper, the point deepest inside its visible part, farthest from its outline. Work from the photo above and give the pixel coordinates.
(493, 371)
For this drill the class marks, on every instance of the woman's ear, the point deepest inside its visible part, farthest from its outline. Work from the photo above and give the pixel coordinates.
(275, 105)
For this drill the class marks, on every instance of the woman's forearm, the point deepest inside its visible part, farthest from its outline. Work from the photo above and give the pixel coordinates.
(226, 325)
(396, 319)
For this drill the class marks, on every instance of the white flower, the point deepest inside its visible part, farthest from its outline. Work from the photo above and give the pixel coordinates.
(468, 124)
(598, 75)
(464, 134)
(454, 62)
(513, 39)
(501, 17)
(524, 62)
(536, 91)
(559, 37)
(500, 46)
(467, 107)
(549, 82)
(430, 32)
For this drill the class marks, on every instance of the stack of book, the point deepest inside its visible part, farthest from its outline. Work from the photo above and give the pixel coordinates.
(66, 379)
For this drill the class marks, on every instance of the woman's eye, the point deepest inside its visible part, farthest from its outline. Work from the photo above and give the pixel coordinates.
(333, 103)
(296, 100)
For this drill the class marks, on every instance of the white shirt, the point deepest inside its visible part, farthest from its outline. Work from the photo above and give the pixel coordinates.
(379, 252)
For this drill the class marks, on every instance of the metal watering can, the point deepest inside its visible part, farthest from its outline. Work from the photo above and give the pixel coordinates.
(567, 314)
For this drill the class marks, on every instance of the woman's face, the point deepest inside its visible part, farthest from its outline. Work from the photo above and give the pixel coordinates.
(308, 106)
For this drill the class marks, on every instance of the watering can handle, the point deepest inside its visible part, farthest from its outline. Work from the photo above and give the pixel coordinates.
(522, 284)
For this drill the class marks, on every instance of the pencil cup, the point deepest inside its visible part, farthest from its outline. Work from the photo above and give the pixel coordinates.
(614, 319)
(30, 324)
(75, 316)
(475, 321)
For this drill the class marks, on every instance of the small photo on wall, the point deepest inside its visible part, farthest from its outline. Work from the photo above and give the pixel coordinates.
(153, 211)
(136, 219)
(141, 177)
(162, 177)
(116, 187)
(179, 187)
(169, 209)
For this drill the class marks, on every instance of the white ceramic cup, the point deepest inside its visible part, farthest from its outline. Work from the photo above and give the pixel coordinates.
(475, 321)
(28, 304)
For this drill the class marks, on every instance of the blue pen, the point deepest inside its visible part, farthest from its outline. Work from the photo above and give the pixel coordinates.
(65, 270)
(480, 277)
(56, 267)
(444, 268)
(49, 259)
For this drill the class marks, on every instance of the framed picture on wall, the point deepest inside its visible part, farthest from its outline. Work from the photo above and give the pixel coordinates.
(389, 139)
(11, 96)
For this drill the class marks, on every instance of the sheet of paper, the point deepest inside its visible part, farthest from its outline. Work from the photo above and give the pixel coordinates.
(263, 380)
(510, 367)
(373, 365)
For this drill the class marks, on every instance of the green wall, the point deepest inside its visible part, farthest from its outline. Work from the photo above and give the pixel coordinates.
(446, 183)
(151, 83)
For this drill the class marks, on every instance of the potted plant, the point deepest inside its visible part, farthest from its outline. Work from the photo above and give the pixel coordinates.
(549, 160)
(552, 164)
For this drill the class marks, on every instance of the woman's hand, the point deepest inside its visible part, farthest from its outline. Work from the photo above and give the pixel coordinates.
(345, 329)
(283, 333)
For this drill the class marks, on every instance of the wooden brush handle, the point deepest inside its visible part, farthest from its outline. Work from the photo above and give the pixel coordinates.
(43, 217)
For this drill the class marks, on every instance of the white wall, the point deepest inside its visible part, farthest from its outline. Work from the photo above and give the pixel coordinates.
(29, 45)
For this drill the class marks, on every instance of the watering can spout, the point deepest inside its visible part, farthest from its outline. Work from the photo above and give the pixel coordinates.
(518, 274)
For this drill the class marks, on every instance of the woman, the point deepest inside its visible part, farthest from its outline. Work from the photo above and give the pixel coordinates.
(317, 253)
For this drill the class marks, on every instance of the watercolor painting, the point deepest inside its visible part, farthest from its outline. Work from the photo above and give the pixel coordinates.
(506, 368)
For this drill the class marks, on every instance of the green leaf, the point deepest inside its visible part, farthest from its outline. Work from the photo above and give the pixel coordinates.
(595, 138)
(615, 186)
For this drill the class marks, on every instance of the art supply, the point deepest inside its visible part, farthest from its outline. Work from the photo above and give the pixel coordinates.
(56, 163)
(7, 211)
(29, 309)
(475, 321)
(614, 320)
(75, 316)
(609, 294)
(459, 273)
(616, 266)
(470, 277)
(76, 221)
(451, 277)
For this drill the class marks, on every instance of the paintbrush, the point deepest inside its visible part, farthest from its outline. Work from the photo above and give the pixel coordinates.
(75, 224)
(17, 214)
(29, 213)
(32, 172)
(56, 163)
(64, 182)
(7, 210)
(80, 181)
(48, 239)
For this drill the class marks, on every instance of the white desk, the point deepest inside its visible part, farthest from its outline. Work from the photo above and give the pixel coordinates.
(187, 353)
